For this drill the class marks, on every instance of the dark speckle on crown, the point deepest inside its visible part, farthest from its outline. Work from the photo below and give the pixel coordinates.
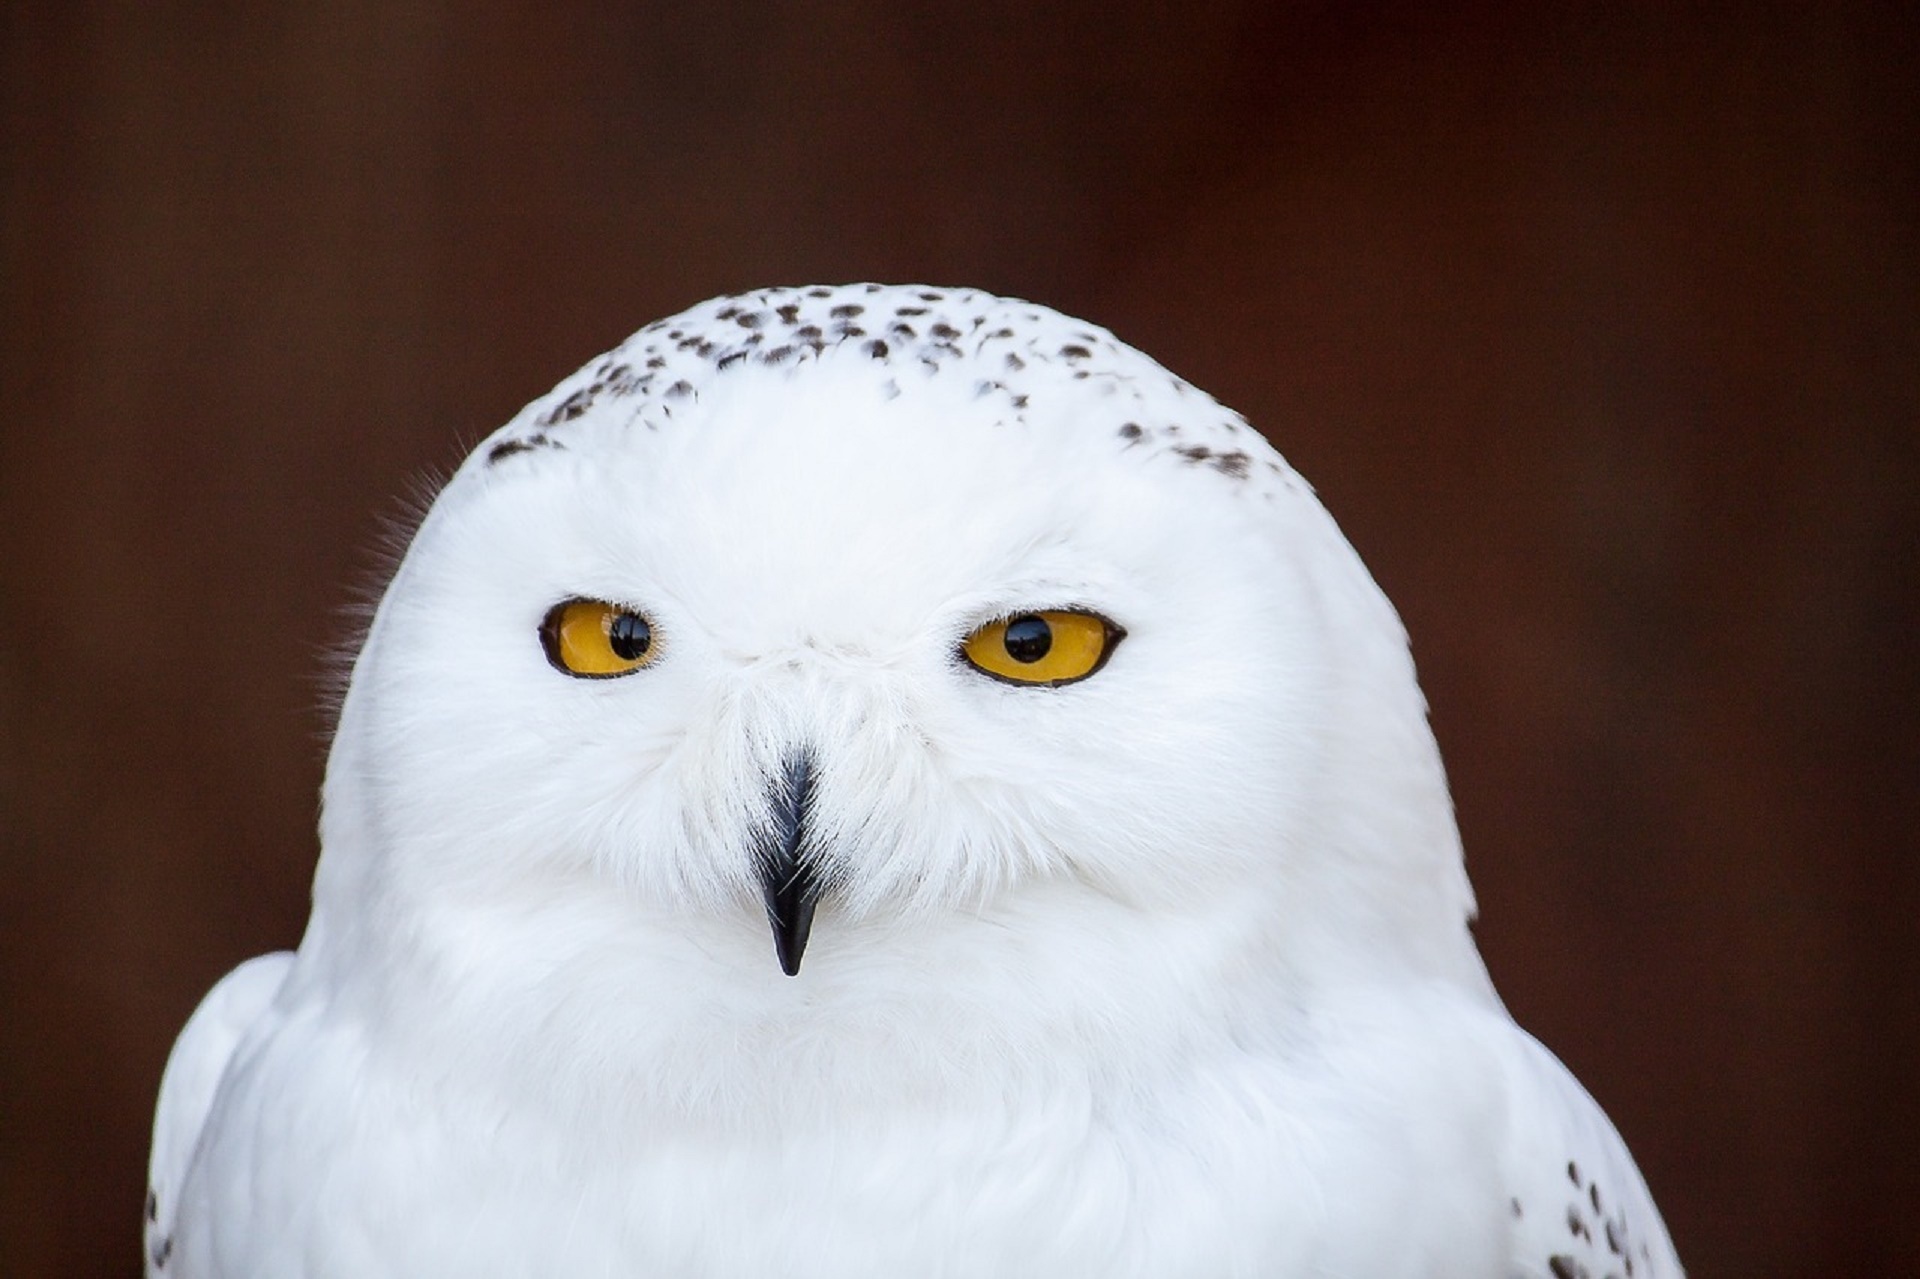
(1011, 353)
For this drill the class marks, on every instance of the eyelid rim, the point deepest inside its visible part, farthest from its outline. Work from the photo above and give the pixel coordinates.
(1114, 633)
(549, 631)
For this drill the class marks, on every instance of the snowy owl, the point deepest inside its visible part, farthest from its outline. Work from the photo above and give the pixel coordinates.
(879, 782)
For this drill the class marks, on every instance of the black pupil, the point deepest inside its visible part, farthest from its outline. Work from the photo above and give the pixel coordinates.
(1028, 638)
(628, 635)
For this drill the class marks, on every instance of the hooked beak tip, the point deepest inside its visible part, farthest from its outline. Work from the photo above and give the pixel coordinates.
(790, 936)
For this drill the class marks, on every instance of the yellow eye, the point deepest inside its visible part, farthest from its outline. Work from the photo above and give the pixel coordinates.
(596, 640)
(1051, 648)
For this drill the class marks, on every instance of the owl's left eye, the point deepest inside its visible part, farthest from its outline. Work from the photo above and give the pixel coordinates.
(593, 639)
(1051, 648)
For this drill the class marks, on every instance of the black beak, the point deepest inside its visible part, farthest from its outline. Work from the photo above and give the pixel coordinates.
(786, 881)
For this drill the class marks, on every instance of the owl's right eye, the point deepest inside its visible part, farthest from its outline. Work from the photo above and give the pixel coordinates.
(593, 639)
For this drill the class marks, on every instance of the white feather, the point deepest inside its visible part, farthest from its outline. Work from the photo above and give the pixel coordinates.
(194, 1069)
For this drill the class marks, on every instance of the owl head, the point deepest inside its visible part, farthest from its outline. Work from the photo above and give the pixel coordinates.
(846, 623)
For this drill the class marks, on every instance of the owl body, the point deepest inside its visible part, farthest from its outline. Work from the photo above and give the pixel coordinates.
(893, 1131)
(1018, 687)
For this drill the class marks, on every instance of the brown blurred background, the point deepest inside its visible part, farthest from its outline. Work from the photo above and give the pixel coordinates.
(1599, 330)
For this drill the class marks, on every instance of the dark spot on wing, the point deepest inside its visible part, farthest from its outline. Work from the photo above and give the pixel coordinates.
(1587, 1260)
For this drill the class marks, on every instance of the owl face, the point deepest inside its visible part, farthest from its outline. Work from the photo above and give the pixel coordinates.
(835, 644)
